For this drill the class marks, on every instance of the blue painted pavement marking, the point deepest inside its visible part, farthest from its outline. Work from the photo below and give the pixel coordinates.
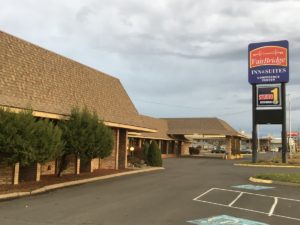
(253, 187)
(224, 219)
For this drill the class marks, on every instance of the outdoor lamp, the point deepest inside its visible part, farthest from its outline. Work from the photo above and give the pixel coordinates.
(131, 148)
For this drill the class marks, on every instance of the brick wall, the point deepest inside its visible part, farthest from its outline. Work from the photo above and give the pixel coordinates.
(30, 173)
(48, 168)
(110, 162)
(73, 165)
(86, 166)
(96, 164)
(6, 174)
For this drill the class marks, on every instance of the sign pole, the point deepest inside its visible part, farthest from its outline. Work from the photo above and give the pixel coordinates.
(254, 126)
(283, 133)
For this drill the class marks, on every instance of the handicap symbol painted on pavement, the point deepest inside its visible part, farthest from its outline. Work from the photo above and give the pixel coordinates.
(253, 187)
(224, 219)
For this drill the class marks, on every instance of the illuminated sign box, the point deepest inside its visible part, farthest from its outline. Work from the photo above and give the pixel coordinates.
(268, 96)
(268, 62)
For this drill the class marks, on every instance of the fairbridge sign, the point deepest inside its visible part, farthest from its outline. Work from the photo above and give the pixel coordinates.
(268, 71)
(268, 62)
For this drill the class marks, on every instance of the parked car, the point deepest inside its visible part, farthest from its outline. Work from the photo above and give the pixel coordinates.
(246, 151)
(218, 150)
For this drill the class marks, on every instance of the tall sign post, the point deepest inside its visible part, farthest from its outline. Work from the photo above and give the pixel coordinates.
(268, 71)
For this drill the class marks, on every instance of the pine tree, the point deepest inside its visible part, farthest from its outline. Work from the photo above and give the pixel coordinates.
(24, 140)
(154, 155)
(145, 152)
(85, 136)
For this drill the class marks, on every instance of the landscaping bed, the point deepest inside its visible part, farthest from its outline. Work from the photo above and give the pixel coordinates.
(295, 161)
(282, 177)
(53, 179)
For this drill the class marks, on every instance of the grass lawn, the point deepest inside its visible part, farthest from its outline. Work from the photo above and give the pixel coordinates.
(284, 177)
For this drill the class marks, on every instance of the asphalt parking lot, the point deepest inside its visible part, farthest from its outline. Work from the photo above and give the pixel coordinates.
(189, 191)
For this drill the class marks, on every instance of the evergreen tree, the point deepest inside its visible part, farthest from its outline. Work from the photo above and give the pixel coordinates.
(154, 155)
(145, 152)
(85, 136)
(48, 142)
(24, 140)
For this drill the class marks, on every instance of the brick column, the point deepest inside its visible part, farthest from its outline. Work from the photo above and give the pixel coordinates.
(77, 168)
(228, 147)
(159, 144)
(123, 143)
(117, 147)
(38, 172)
(9, 174)
(16, 170)
(140, 143)
(167, 147)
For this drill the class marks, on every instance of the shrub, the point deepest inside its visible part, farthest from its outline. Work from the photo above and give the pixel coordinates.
(25, 140)
(194, 151)
(48, 142)
(85, 136)
(145, 152)
(154, 155)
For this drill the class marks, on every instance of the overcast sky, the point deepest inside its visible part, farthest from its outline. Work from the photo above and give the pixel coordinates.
(175, 58)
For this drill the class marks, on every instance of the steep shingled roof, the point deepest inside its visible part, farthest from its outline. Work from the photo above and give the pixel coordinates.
(208, 126)
(31, 76)
(159, 124)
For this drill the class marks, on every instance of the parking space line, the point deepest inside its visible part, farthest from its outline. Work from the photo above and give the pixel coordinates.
(273, 206)
(237, 198)
(250, 193)
(270, 213)
(203, 194)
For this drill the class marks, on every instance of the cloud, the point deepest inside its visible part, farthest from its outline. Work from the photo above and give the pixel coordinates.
(191, 53)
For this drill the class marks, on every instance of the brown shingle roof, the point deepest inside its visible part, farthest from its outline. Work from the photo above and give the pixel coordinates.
(31, 76)
(159, 124)
(208, 126)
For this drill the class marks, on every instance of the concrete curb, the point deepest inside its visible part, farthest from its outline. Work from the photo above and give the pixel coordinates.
(266, 166)
(256, 180)
(73, 183)
(263, 181)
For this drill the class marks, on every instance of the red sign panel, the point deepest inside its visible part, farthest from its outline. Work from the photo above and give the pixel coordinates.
(268, 56)
(293, 134)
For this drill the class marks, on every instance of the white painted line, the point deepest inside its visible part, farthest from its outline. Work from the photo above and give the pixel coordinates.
(237, 198)
(270, 213)
(270, 196)
(273, 206)
(286, 217)
(203, 194)
(249, 210)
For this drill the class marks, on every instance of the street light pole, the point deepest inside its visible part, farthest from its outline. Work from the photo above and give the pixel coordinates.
(290, 124)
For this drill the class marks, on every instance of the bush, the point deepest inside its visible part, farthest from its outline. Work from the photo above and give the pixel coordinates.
(85, 136)
(145, 152)
(48, 142)
(194, 151)
(154, 155)
(25, 140)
